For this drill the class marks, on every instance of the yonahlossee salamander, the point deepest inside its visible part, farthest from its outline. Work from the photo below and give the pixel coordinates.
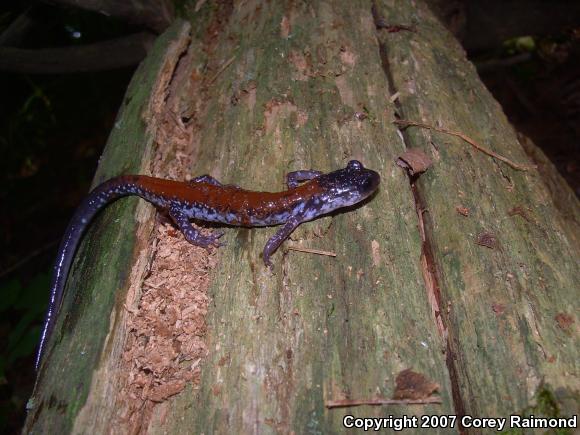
(206, 199)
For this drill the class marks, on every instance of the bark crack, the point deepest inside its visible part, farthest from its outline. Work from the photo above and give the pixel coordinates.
(428, 263)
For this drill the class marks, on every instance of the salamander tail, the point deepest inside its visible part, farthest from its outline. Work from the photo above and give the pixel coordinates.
(99, 198)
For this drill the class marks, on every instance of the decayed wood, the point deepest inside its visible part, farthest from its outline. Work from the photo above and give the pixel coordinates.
(268, 88)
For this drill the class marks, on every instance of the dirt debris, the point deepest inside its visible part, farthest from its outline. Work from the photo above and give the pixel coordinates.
(165, 342)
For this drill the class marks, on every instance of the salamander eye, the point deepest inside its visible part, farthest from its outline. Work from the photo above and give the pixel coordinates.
(355, 164)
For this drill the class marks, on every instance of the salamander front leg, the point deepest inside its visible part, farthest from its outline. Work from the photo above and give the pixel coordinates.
(192, 235)
(277, 239)
(205, 179)
(296, 177)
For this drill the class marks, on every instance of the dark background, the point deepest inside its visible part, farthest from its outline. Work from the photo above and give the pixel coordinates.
(53, 129)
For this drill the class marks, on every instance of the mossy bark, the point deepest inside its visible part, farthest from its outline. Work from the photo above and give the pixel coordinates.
(508, 309)
(289, 86)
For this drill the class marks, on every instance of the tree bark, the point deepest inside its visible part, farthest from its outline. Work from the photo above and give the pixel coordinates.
(120, 53)
(482, 302)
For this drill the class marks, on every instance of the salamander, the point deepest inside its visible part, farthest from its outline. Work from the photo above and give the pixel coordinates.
(310, 194)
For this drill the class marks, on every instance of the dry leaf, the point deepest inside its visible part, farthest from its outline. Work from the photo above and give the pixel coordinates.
(413, 385)
(415, 161)
(564, 321)
(486, 239)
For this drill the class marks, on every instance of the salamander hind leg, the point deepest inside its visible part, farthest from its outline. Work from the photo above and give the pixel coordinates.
(277, 239)
(205, 179)
(192, 235)
(210, 180)
(296, 177)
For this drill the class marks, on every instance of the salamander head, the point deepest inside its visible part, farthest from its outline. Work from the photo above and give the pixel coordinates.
(348, 186)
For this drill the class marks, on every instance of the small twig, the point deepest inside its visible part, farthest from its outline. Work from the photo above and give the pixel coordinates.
(492, 64)
(16, 31)
(312, 251)
(377, 402)
(31, 256)
(467, 139)
(393, 28)
(222, 69)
